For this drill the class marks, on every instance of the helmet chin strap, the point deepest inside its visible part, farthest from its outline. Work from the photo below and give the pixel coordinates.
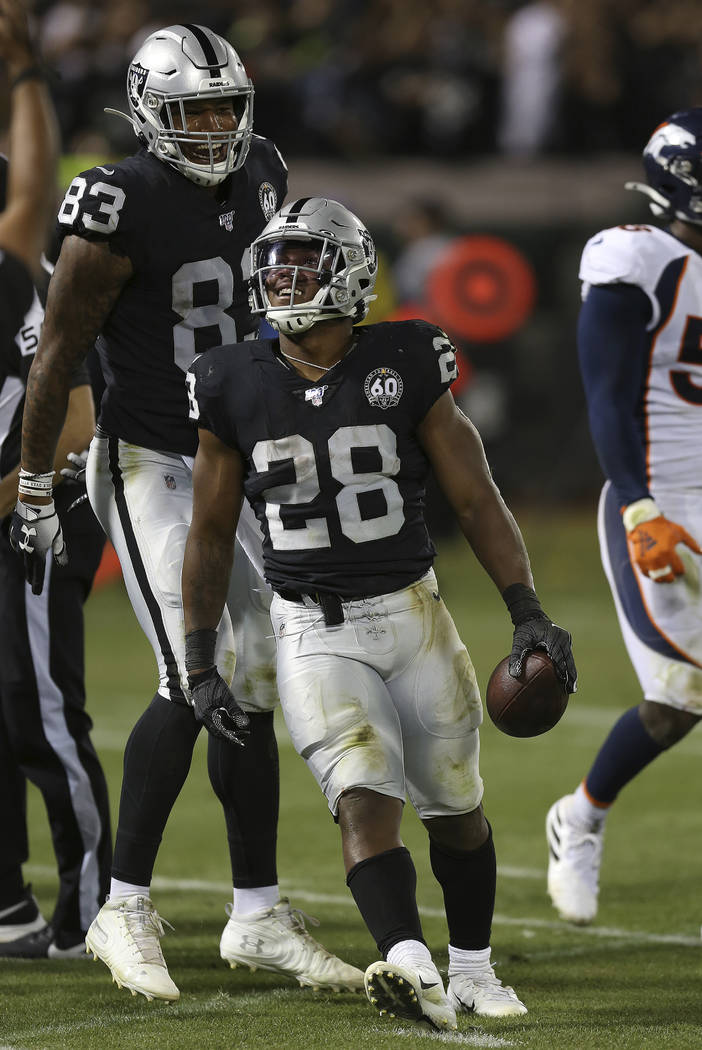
(660, 205)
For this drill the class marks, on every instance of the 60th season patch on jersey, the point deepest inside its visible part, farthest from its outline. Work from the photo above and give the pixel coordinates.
(383, 387)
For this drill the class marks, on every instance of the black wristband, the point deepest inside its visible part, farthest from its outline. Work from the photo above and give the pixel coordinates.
(522, 603)
(201, 676)
(35, 72)
(200, 649)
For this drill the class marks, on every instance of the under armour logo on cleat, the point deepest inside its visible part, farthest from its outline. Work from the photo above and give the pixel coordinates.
(251, 944)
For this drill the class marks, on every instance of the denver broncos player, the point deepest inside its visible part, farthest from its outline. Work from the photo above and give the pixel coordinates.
(150, 266)
(639, 341)
(329, 430)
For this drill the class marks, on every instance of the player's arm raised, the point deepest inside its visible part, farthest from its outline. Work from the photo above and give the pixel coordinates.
(207, 563)
(457, 456)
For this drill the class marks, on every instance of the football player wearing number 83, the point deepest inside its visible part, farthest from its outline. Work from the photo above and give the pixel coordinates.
(329, 430)
(150, 267)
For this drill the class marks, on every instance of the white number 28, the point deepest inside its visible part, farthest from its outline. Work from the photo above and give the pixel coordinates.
(305, 488)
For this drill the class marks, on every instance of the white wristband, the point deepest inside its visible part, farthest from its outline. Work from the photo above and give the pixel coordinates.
(638, 511)
(35, 484)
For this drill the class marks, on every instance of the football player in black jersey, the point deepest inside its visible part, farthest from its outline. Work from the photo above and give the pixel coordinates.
(329, 431)
(150, 266)
(44, 727)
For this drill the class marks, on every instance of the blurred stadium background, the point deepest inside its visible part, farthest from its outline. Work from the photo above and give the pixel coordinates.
(482, 141)
(459, 118)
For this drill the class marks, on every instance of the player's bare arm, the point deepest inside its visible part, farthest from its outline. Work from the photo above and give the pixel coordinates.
(33, 146)
(217, 495)
(456, 452)
(86, 284)
(75, 436)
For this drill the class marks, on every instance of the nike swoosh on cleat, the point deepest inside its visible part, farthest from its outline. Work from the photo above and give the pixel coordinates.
(424, 986)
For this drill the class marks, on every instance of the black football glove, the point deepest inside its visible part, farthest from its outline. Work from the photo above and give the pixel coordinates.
(34, 531)
(75, 475)
(540, 633)
(216, 708)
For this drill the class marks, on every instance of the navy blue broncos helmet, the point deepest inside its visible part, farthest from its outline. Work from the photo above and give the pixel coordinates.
(673, 161)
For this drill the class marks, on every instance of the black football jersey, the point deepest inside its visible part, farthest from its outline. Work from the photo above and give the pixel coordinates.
(333, 469)
(187, 292)
(20, 322)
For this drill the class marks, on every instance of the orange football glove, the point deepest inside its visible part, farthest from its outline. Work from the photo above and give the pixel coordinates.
(652, 540)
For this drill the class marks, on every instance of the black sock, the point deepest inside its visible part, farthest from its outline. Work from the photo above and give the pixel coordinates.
(625, 752)
(156, 763)
(247, 783)
(468, 879)
(384, 888)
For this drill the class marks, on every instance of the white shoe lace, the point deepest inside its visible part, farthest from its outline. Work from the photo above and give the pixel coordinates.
(296, 920)
(486, 980)
(145, 927)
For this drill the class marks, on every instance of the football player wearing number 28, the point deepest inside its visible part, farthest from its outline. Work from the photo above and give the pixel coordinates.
(150, 267)
(639, 343)
(329, 431)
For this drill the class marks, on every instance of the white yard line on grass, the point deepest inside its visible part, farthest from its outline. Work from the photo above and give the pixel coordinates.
(588, 717)
(225, 1000)
(461, 1038)
(608, 932)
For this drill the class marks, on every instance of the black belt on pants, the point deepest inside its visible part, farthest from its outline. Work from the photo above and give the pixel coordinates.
(330, 604)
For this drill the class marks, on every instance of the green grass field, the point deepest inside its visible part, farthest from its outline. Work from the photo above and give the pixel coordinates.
(632, 980)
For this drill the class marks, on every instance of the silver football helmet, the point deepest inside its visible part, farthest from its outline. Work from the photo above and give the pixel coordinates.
(343, 259)
(181, 64)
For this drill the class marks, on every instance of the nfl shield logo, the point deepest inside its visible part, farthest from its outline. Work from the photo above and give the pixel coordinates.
(227, 220)
(170, 481)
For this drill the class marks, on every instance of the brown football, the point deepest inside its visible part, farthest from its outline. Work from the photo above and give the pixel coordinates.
(528, 705)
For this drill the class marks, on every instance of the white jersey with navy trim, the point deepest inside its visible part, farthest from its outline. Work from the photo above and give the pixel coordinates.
(670, 274)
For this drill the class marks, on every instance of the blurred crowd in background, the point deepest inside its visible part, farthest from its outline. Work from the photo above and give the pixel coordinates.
(504, 104)
(452, 78)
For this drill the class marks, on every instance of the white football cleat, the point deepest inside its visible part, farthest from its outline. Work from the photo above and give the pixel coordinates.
(276, 939)
(415, 994)
(574, 862)
(483, 994)
(125, 935)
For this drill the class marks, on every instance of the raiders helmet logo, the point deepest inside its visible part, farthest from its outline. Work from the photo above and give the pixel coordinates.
(383, 388)
(268, 199)
(136, 82)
